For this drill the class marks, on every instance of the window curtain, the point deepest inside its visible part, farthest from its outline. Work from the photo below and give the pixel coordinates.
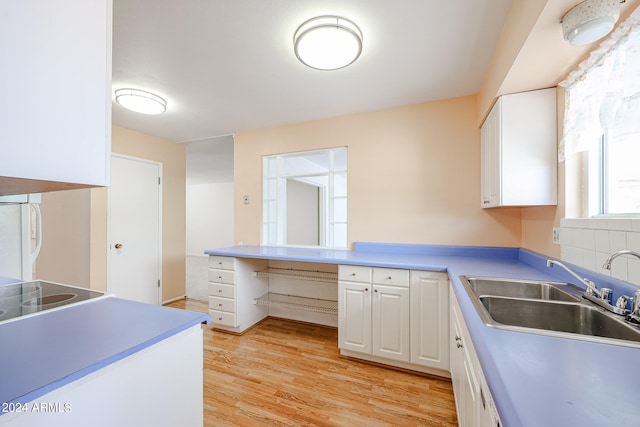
(603, 94)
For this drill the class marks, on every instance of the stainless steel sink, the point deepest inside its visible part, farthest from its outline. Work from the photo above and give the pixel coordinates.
(531, 289)
(546, 308)
(555, 316)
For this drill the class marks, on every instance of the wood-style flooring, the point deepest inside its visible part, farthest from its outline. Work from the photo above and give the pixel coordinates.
(286, 373)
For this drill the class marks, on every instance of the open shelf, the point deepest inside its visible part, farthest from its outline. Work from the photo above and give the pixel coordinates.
(285, 273)
(315, 305)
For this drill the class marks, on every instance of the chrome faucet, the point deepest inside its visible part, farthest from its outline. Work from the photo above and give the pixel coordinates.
(591, 287)
(607, 263)
(602, 297)
(634, 314)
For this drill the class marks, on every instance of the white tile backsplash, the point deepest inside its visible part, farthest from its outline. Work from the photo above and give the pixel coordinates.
(588, 242)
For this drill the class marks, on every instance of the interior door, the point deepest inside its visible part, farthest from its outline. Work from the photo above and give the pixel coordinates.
(135, 254)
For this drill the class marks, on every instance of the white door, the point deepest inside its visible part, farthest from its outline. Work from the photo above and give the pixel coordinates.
(135, 255)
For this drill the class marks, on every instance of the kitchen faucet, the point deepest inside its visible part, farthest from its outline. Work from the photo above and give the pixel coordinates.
(607, 263)
(602, 297)
(591, 287)
(634, 316)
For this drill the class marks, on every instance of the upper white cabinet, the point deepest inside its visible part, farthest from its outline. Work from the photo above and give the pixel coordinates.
(519, 151)
(56, 94)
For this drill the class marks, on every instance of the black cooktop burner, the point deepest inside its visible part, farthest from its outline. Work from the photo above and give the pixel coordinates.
(20, 299)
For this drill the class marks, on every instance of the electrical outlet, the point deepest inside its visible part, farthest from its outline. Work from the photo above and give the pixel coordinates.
(245, 200)
(556, 235)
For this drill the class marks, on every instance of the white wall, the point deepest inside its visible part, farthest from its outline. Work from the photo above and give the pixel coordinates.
(588, 242)
(209, 226)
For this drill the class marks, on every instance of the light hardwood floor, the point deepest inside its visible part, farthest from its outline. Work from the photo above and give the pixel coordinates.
(285, 373)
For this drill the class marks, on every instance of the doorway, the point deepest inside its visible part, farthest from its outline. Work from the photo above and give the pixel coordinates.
(135, 229)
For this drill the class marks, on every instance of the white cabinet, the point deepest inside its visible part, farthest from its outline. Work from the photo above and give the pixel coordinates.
(474, 404)
(429, 319)
(519, 151)
(56, 94)
(395, 316)
(233, 287)
(373, 312)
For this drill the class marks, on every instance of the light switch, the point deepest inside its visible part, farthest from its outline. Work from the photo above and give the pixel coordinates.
(245, 199)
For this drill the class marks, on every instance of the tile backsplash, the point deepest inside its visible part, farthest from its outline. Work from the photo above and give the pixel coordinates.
(588, 242)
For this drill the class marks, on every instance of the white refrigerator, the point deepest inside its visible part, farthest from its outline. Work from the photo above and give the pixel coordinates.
(20, 237)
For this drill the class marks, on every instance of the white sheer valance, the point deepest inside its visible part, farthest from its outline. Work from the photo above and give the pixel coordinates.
(604, 92)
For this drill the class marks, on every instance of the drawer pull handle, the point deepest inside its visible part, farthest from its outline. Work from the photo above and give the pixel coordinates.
(219, 305)
(353, 274)
(366, 289)
(375, 290)
(220, 277)
(220, 291)
(389, 278)
(219, 318)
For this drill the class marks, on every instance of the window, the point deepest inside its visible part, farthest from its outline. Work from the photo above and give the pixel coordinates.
(305, 199)
(602, 120)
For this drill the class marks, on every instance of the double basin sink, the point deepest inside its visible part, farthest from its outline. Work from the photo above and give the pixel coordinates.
(546, 308)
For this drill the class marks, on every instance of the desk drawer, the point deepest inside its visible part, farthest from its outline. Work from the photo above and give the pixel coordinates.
(222, 304)
(223, 318)
(354, 273)
(222, 276)
(391, 276)
(221, 262)
(220, 290)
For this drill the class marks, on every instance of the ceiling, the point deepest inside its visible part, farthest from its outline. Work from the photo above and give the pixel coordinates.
(228, 66)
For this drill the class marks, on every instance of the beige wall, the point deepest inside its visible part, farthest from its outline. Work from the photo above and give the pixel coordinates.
(413, 175)
(64, 257)
(173, 158)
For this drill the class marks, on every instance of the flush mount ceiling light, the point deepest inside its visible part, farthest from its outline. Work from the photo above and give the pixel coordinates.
(327, 42)
(140, 101)
(590, 20)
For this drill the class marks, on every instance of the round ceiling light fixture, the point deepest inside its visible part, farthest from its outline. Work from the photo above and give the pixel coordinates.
(140, 101)
(327, 42)
(590, 21)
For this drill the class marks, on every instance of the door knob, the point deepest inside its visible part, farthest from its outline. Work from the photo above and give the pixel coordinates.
(118, 245)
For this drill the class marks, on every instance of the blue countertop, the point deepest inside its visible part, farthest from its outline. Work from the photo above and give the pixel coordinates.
(535, 380)
(43, 352)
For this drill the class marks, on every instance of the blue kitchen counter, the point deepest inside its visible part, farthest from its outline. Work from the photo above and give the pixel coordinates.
(46, 351)
(535, 380)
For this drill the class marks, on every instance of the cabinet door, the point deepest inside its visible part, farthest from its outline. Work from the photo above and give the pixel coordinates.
(429, 319)
(391, 322)
(354, 316)
(490, 158)
(56, 94)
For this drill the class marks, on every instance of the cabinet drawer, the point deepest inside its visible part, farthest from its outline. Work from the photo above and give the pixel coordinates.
(220, 290)
(222, 304)
(391, 276)
(222, 276)
(221, 262)
(354, 273)
(223, 318)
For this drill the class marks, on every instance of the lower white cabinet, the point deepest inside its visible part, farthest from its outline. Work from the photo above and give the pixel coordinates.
(430, 319)
(390, 319)
(373, 318)
(394, 316)
(474, 404)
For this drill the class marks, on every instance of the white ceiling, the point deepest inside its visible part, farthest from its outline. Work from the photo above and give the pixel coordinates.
(226, 66)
